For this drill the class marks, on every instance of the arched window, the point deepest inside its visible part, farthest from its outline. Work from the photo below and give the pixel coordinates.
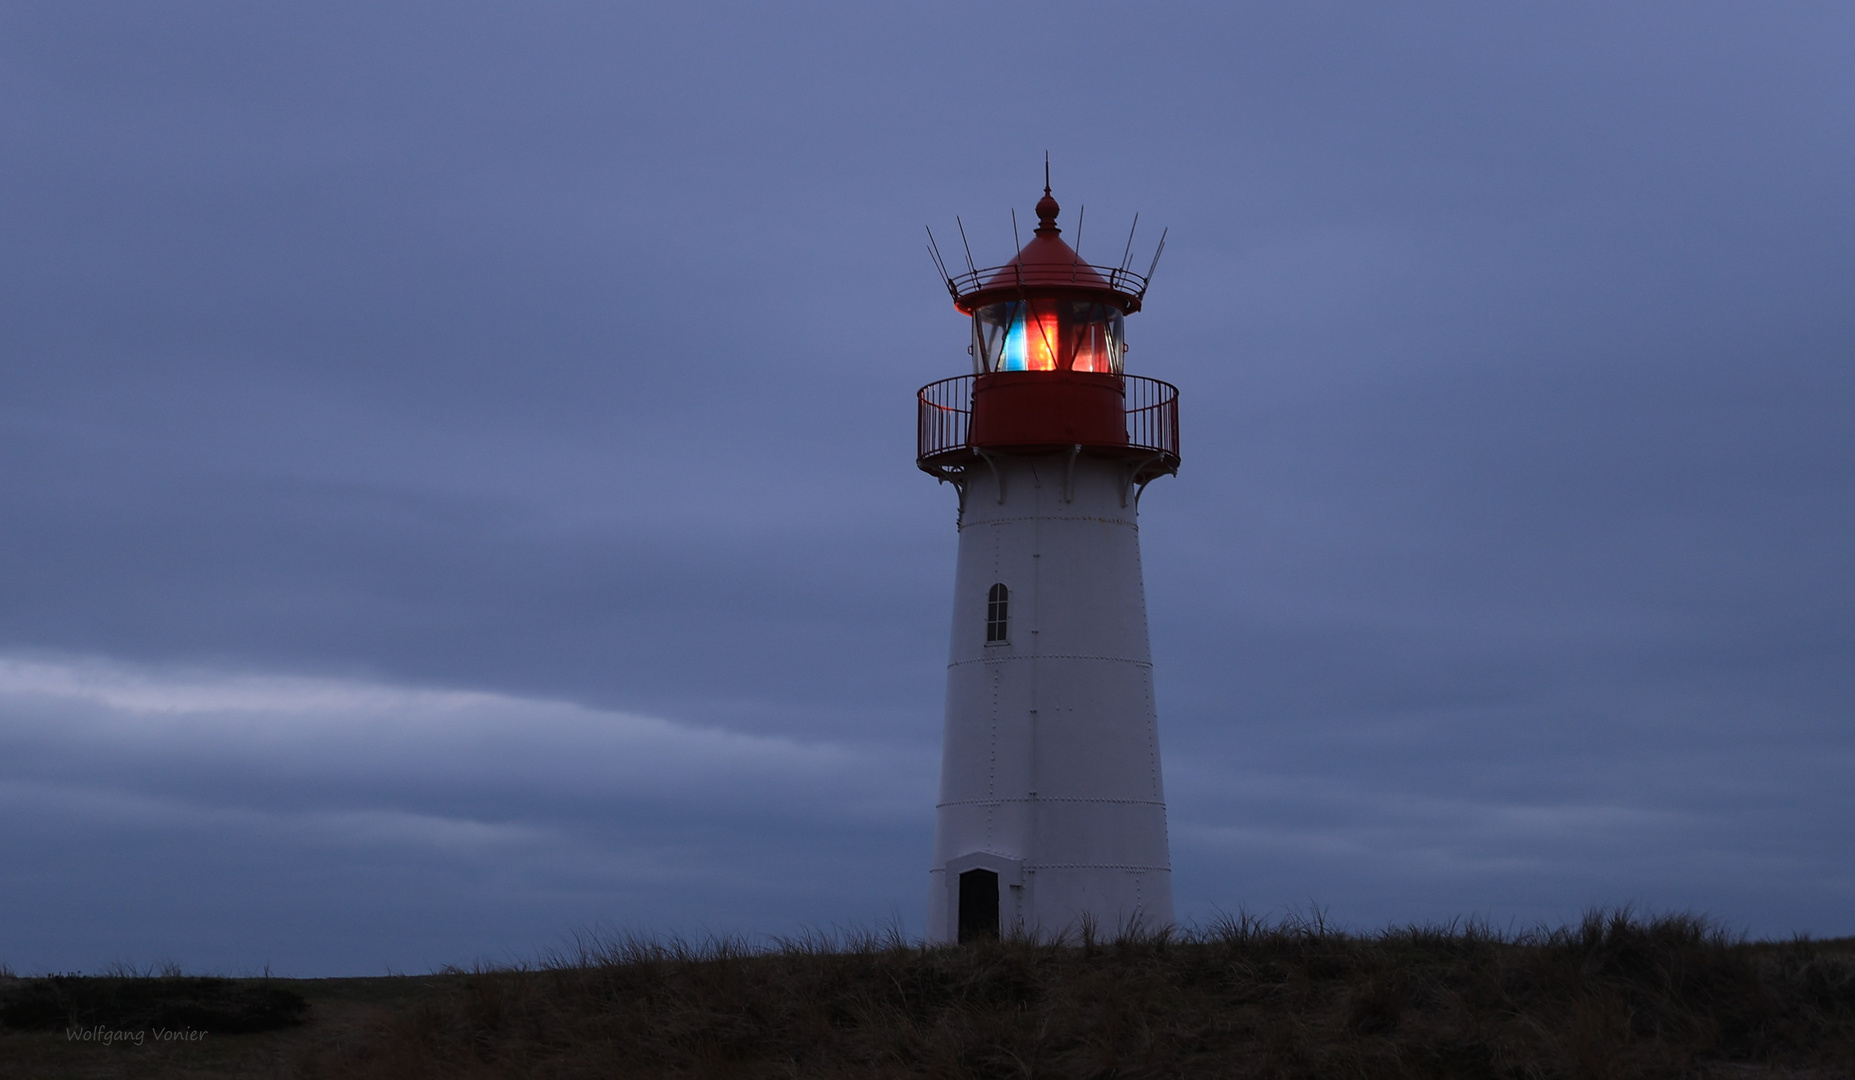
(997, 613)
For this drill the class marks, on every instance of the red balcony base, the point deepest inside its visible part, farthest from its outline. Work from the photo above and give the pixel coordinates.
(1022, 409)
(1032, 412)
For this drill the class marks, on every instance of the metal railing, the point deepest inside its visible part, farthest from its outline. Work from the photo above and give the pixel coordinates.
(1152, 415)
(1119, 278)
(944, 416)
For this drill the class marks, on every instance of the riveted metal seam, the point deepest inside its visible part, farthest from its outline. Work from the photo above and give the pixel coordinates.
(1051, 799)
(1051, 656)
(1097, 866)
(1056, 517)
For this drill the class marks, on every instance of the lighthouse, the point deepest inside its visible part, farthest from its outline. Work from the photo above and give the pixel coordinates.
(1052, 814)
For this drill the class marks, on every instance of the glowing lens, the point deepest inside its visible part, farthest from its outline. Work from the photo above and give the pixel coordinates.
(1035, 340)
(1048, 335)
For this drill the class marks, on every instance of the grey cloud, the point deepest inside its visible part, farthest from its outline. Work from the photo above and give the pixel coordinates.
(551, 808)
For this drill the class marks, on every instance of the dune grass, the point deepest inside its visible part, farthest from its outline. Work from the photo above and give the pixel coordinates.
(1614, 996)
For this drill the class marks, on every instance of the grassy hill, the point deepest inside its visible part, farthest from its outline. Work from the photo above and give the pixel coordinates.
(1615, 996)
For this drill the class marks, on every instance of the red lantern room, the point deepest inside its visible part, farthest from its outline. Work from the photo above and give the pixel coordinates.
(1048, 349)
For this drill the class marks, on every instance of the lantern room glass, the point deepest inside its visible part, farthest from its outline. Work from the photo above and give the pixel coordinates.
(1049, 335)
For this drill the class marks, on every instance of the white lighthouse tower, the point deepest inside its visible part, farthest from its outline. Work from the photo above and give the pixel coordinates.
(1052, 814)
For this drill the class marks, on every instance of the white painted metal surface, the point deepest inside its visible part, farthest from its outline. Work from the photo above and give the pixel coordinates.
(1050, 773)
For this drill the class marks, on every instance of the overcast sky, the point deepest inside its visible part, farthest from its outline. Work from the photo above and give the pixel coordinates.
(457, 486)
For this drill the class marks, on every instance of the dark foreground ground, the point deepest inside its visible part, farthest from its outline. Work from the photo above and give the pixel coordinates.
(1613, 997)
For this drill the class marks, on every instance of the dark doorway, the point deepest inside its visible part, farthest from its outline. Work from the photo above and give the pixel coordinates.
(978, 906)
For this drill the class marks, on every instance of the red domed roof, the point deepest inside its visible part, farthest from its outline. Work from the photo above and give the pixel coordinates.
(1044, 266)
(1047, 260)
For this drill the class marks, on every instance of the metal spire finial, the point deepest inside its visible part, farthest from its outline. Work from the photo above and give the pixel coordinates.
(1047, 207)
